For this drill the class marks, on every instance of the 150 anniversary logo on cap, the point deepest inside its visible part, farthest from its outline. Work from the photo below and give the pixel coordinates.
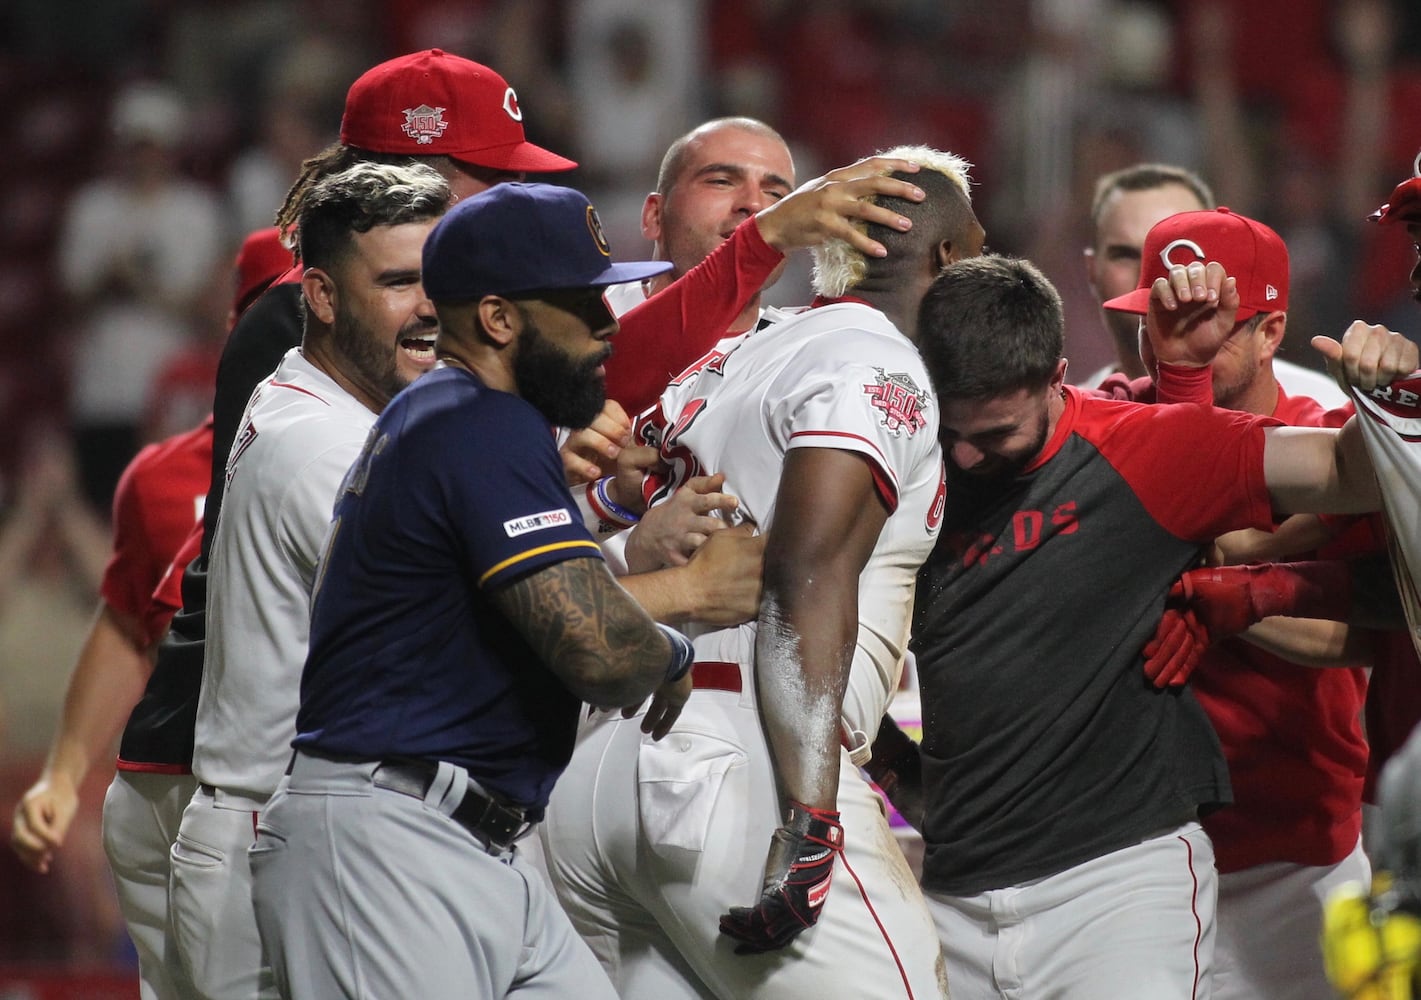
(424, 124)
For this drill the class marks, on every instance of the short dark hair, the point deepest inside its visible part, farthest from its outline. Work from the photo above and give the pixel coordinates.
(362, 197)
(1148, 177)
(332, 160)
(990, 326)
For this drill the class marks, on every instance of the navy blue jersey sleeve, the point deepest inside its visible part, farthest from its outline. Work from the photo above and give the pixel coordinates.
(507, 496)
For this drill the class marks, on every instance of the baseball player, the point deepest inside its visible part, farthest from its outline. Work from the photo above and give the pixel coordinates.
(821, 425)
(1292, 737)
(712, 179)
(725, 212)
(156, 504)
(1391, 428)
(1127, 204)
(1373, 939)
(722, 216)
(159, 501)
(1061, 790)
(369, 331)
(462, 615)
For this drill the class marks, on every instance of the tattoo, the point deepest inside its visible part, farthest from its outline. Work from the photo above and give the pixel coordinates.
(587, 630)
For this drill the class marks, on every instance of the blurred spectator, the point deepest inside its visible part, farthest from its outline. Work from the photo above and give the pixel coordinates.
(1313, 176)
(636, 70)
(52, 554)
(53, 549)
(297, 105)
(138, 247)
(182, 392)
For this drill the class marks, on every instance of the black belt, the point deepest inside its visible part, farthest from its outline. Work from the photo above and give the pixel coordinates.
(486, 819)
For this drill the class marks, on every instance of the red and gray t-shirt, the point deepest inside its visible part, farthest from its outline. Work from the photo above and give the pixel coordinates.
(1044, 744)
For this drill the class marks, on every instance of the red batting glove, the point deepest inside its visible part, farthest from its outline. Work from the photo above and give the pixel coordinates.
(1215, 602)
(797, 876)
(1228, 599)
(1178, 644)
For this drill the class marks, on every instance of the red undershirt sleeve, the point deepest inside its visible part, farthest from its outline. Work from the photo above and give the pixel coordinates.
(672, 329)
(1182, 384)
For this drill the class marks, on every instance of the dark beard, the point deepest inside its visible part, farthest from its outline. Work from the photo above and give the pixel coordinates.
(375, 362)
(1004, 472)
(568, 392)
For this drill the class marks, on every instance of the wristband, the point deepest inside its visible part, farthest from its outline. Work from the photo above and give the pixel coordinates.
(683, 654)
(608, 509)
(1185, 384)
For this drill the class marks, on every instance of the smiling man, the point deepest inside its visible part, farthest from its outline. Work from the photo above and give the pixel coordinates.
(369, 331)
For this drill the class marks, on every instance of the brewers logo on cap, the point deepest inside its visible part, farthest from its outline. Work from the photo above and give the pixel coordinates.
(600, 238)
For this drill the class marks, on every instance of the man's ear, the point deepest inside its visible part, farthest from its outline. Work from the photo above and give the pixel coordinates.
(651, 217)
(500, 319)
(944, 254)
(1058, 378)
(1270, 334)
(319, 290)
(1088, 253)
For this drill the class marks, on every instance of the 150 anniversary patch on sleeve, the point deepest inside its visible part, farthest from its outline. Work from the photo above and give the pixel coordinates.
(560, 518)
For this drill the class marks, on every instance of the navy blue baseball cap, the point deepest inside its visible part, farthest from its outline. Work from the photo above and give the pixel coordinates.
(521, 237)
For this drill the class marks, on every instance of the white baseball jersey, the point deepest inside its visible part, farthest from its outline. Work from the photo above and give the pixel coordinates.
(649, 842)
(1390, 419)
(623, 298)
(837, 376)
(1299, 381)
(299, 436)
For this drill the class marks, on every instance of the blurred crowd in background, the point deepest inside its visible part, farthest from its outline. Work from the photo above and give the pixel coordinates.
(142, 139)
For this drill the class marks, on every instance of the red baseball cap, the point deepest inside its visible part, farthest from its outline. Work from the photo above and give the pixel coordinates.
(261, 260)
(1404, 205)
(1250, 252)
(432, 103)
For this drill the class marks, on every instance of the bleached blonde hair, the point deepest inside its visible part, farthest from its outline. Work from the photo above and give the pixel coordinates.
(839, 267)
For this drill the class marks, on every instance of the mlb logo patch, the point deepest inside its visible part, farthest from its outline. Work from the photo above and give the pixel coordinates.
(537, 522)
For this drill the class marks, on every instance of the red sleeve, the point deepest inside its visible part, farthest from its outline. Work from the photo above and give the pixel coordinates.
(673, 328)
(1198, 470)
(1177, 384)
(134, 567)
(1182, 384)
(155, 506)
(167, 597)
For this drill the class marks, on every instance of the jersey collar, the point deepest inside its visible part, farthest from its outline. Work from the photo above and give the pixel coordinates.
(824, 300)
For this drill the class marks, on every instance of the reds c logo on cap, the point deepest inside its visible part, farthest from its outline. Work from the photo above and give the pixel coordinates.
(424, 124)
(1170, 248)
(510, 105)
